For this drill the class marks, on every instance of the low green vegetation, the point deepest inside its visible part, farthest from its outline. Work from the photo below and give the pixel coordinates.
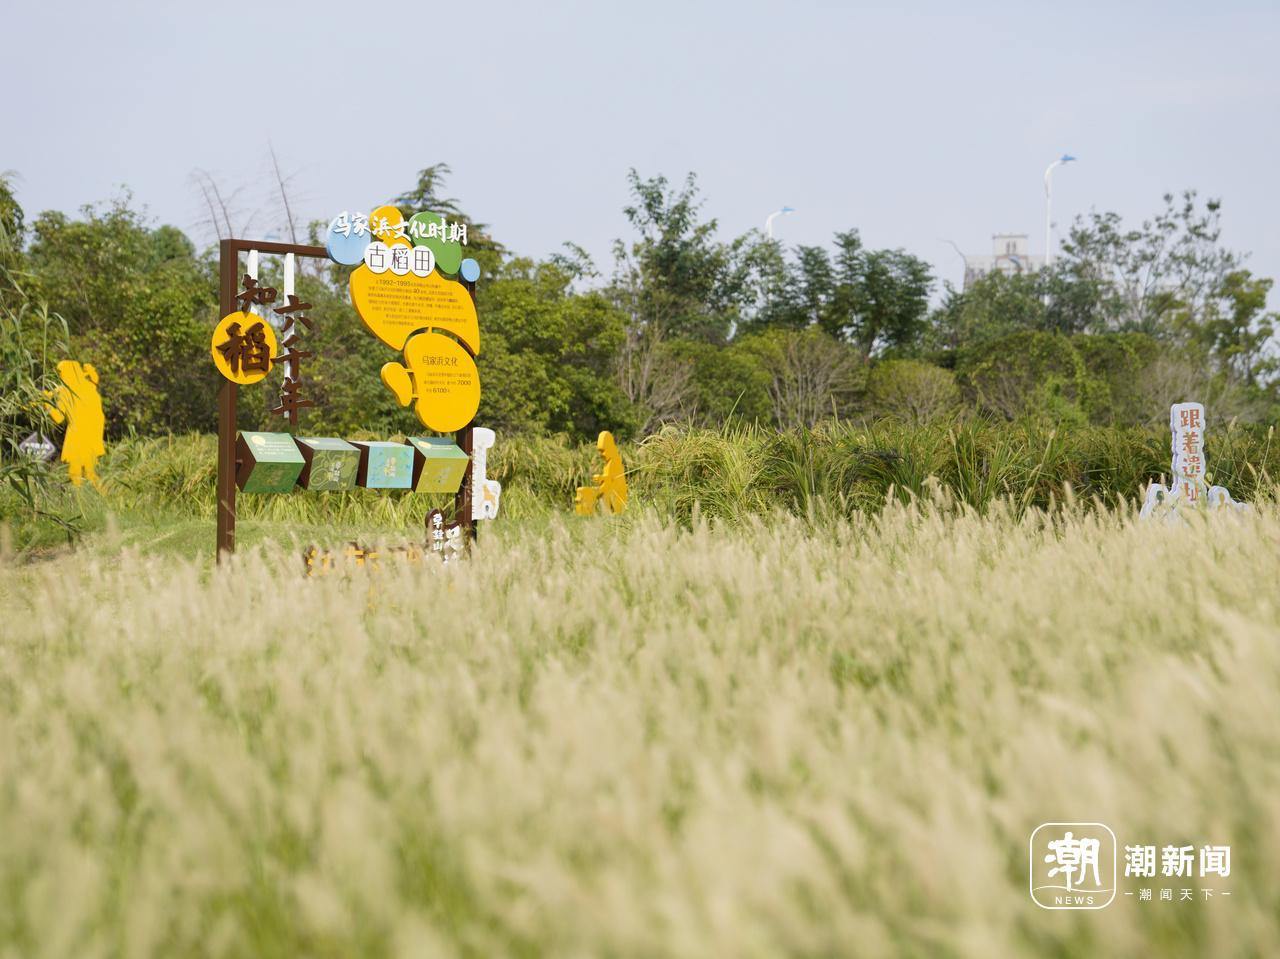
(734, 473)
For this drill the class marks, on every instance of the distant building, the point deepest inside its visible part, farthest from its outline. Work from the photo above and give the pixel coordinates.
(1010, 254)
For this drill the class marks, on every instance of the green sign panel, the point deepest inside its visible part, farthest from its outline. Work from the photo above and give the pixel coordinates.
(332, 464)
(269, 462)
(385, 465)
(432, 231)
(438, 464)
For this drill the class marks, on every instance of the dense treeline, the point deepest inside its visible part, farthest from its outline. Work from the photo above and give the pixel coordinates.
(686, 326)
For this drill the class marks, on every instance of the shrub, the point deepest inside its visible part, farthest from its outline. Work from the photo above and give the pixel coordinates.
(912, 390)
(1115, 364)
(730, 383)
(1030, 373)
(811, 374)
(32, 340)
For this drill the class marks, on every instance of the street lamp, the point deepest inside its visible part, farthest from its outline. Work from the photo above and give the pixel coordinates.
(768, 223)
(959, 252)
(1048, 205)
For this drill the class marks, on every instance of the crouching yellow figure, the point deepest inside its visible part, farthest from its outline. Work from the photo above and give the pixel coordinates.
(610, 492)
(78, 404)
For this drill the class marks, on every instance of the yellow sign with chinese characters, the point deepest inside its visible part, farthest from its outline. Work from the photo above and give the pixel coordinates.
(78, 404)
(243, 347)
(395, 307)
(440, 378)
(387, 223)
(412, 313)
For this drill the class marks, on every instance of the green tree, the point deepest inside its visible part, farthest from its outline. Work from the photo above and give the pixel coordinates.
(912, 390)
(728, 383)
(1116, 368)
(11, 215)
(877, 300)
(994, 306)
(811, 374)
(139, 306)
(548, 354)
(1142, 278)
(1029, 373)
(678, 278)
(12, 262)
(1236, 328)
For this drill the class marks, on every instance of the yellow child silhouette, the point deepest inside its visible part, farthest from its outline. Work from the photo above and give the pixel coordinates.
(77, 401)
(610, 491)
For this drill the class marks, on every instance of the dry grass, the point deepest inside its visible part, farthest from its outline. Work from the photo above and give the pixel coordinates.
(820, 736)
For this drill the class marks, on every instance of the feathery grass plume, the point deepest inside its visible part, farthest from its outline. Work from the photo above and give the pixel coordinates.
(727, 735)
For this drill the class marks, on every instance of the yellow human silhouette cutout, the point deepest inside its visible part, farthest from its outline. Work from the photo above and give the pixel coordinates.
(610, 491)
(78, 403)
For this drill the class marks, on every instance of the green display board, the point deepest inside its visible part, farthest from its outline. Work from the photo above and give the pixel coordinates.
(438, 464)
(268, 462)
(331, 464)
(385, 465)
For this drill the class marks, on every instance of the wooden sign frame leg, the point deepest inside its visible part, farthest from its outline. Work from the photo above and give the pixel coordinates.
(462, 499)
(228, 277)
(228, 287)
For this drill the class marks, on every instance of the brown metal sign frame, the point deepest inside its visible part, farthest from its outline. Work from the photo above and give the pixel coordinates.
(229, 286)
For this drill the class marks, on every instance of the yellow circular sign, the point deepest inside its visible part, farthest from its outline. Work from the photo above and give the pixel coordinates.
(243, 347)
(440, 378)
(387, 223)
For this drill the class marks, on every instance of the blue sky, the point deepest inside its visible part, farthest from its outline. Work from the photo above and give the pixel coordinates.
(912, 122)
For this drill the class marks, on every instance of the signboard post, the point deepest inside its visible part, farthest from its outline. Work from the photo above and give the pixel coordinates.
(228, 301)
(407, 382)
(1189, 487)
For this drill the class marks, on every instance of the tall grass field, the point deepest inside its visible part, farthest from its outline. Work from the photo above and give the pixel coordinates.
(810, 697)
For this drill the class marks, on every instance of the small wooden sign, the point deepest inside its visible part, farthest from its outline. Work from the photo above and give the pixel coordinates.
(331, 464)
(385, 465)
(269, 462)
(438, 464)
(40, 447)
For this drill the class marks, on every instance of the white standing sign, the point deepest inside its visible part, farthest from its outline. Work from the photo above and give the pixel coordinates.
(484, 491)
(1188, 487)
